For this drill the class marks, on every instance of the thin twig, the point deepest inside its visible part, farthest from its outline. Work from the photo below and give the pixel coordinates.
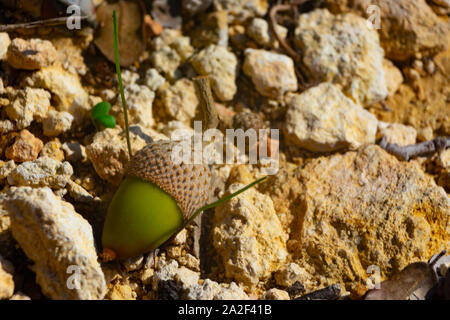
(291, 52)
(37, 24)
(414, 150)
(207, 102)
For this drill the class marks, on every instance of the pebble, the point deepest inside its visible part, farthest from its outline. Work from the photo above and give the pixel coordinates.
(30, 54)
(56, 123)
(25, 147)
(180, 100)
(276, 294)
(6, 279)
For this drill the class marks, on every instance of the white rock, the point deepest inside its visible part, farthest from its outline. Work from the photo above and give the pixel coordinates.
(290, 274)
(42, 172)
(220, 64)
(397, 133)
(211, 290)
(6, 169)
(259, 30)
(4, 44)
(57, 122)
(393, 76)
(30, 54)
(153, 80)
(180, 100)
(248, 237)
(276, 294)
(343, 50)
(59, 241)
(27, 105)
(323, 119)
(139, 101)
(272, 74)
(166, 60)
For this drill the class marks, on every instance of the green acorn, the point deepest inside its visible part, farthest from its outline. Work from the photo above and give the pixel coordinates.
(153, 202)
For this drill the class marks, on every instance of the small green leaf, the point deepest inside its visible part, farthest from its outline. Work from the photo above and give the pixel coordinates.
(100, 115)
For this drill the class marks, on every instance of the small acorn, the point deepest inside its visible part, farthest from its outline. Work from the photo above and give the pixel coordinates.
(153, 201)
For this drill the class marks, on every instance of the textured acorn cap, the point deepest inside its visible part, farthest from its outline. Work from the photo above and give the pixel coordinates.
(188, 184)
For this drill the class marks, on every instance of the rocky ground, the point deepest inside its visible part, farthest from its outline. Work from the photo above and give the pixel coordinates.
(339, 202)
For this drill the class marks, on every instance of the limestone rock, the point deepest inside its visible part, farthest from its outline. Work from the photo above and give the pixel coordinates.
(153, 80)
(166, 60)
(5, 41)
(25, 147)
(74, 152)
(366, 208)
(248, 237)
(341, 49)
(6, 168)
(6, 279)
(211, 290)
(109, 154)
(276, 294)
(241, 10)
(27, 105)
(290, 274)
(272, 74)
(139, 102)
(393, 77)
(57, 122)
(406, 27)
(43, 172)
(59, 241)
(30, 54)
(259, 31)
(323, 119)
(397, 133)
(180, 100)
(220, 64)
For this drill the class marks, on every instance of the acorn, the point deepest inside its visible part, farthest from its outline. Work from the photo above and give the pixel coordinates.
(155, 199)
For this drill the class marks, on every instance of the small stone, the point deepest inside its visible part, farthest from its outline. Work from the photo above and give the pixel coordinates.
(4, 44)
(397, 133)
(276, 294)
(56, 123)
(59, 241)
(290, 274)
(153, 80)
(180, 100)
(43, 172)
(133, 263)
(109, 154)
(393, 77)
(6, 279)
(6, 168)
(27, 105)
(20, 296)
(241, 10)
(211, 290)
(212, 30)
(220, 64)
(26, 147)
(74, 152)
(180, 238)
(189, 261)
(139, 100)
(259, 31)
(323, 119)
(166, 60)
(341, 49)
(444, 159)
(78, 193)
(272, 74)
(120, 291)
(53, 149)
(30, 54)
(248, 237)
(66, 88)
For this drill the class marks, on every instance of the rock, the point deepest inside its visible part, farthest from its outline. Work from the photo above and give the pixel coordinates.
(53, 149)
(259, 31)
(30, 54)
(25, 147)
(20, 296)
(109, 154)
(211, 290)
(189, 261)
(166, 60)
(43, 172)
(27, 105)
(323, 119)
(366, 208)
(6, 168)
(290, 274)
(78, 193)
(74, 152)
(397, 133)
(444, 159)
(66, 88)
(180, 100)
(220, 65)
(407, 26)
(248, 237)
(6, 279)
(139, 102)
(70, 54)
(393, 77)
(59, 241)
(120, 291)
(212, 30)
(276, 294)
(341, 49)
(57, 122)
(4, 44)
(133, 263)
(272, 74)
(241, 10)
(153, 80)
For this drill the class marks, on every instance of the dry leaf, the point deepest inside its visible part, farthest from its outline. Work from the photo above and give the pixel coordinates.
(130, 16)
(413, 282)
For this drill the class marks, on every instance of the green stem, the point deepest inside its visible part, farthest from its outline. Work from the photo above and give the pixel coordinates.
(119, 77)
(222, 200)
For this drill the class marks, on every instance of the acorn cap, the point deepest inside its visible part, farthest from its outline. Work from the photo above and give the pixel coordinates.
(188, 184)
